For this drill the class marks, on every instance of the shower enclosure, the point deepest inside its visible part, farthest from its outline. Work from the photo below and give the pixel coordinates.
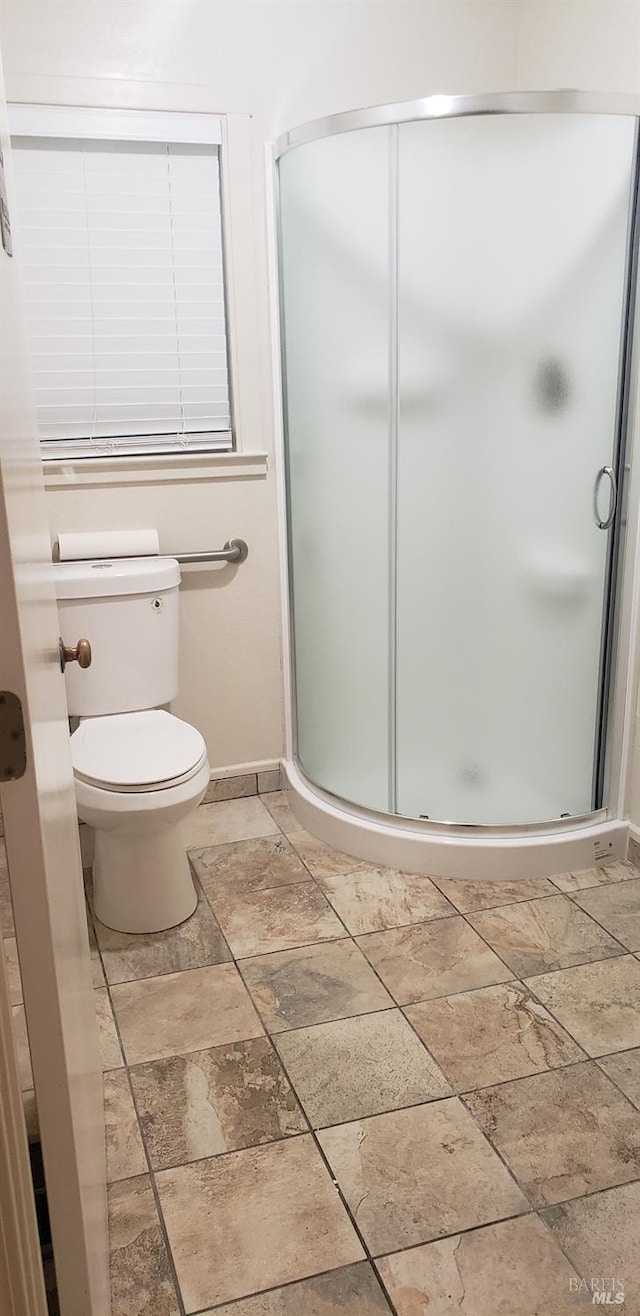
(457, 281)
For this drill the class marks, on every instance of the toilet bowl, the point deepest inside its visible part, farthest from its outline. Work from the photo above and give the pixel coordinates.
(137, 775)
(139, 770)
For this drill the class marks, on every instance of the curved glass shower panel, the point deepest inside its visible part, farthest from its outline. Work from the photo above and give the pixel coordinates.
(454, 292)
(335, 278)
(512, 255)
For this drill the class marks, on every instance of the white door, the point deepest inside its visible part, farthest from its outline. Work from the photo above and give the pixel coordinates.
(42, 838)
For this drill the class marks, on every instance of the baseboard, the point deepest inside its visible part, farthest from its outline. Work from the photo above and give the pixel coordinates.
(633, 848)
(254, 779)
(245, 769)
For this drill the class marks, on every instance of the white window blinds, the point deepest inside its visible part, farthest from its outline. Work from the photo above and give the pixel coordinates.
(121, 243)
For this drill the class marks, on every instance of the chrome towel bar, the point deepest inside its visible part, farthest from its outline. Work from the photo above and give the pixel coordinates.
(235, 550)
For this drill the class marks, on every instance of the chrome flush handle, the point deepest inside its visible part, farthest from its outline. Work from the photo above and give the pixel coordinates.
(613, 497)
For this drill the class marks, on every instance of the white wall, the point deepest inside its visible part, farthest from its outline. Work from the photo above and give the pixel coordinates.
(593, 45)
(282, 63)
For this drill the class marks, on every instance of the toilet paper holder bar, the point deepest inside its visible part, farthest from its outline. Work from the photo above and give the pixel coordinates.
(235, 550)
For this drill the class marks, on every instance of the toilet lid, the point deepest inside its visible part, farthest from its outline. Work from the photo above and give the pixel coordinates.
(135, 750)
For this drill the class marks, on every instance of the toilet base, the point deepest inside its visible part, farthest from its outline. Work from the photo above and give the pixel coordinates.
(142, 883)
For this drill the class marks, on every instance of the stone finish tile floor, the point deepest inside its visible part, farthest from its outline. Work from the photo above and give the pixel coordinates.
(333, 1093)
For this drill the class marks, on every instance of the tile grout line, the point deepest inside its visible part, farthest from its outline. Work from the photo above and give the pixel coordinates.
(586, 1059)
(541, 900)
(542, 1003)
(297, 1095)
(547, 896)
(355, 1119)
(610, 1056)
(272, 1036)
(309, 1133)
(372, 1259)
(597, 921)
(402, 1007)
(556, 1240)
(463, 1098)
(561, 968)
(335, 1183)
(290, 1283)
(152, 1183)
(592, 1059)
(343, 1018)
(165, 973)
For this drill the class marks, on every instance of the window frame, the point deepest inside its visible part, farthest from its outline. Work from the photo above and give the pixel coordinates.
(93, 123)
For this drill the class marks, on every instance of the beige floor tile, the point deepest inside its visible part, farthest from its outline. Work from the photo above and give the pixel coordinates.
(192, 945)
(125, 1153)
(313, 984)
(624, 1070)
(97, 973)
(538, 935)
(214, 1101)
(600, 1235)
(514, 1267)
(467, 896)
(491, 1035)
(110, 1053)
(10, 948)
(321, 860)
(276, 803)
(598, 1003)
(182, 1012)
(350, 1291)
(278, 919)
(7, 928)
(231, 788)
(231, 820)
(248, 866)
(141, 1283)
(600, 876)
(432, 959)
(563, 1133)
(356, 1067)
(414, 1175)
(617, 908)
(21, 1040)
(384, 898)
(252, 1220)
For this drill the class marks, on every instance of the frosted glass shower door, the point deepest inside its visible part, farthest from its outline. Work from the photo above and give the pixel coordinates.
(335, 263)
(511, 273)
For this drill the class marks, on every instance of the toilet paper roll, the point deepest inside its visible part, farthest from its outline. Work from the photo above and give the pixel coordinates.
(108, 543)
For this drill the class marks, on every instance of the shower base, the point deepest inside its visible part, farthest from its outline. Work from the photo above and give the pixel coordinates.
(443, 850)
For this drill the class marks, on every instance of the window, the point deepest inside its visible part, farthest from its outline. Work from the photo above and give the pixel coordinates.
(119, 226)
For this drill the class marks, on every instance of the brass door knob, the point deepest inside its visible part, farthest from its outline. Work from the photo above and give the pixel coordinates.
(79, 653)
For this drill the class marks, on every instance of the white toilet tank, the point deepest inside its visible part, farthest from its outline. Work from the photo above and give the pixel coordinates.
(127, 609)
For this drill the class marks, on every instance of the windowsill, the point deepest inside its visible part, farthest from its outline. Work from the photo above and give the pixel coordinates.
(162, 469)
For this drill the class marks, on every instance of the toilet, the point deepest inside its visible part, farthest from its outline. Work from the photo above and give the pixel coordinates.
(139, 771)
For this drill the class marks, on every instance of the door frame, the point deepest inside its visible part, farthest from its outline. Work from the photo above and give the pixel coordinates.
(21, 1276)
(43, 851)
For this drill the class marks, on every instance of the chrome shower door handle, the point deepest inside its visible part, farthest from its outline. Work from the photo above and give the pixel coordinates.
(613, 497)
